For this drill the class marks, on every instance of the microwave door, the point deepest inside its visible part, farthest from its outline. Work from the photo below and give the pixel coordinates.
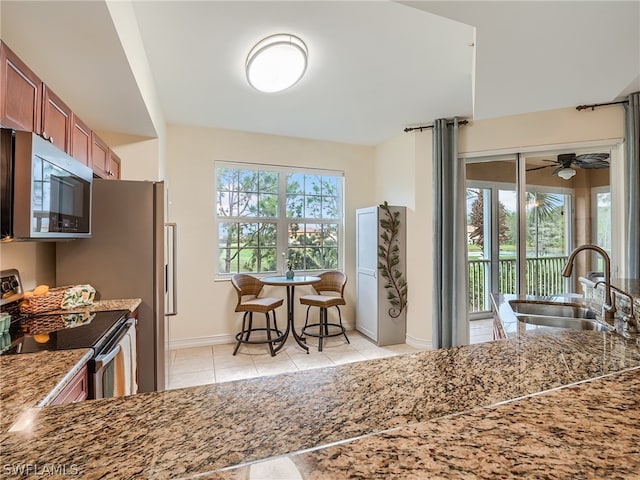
(65, 207)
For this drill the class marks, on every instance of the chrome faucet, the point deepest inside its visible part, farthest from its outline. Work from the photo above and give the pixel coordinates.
(608, 306)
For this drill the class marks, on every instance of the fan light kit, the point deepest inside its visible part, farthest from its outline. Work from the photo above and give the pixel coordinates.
(566, 173)
(276, 63)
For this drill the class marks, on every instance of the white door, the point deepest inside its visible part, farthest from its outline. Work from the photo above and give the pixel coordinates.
(366, 271)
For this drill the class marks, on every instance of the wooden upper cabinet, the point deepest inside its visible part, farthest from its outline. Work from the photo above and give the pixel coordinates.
(99, 156)
(20, 93)
(114, 166)
(26, 103)
(56, 121)
(80, 141)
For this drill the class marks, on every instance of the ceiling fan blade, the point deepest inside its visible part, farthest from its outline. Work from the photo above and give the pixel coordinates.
(592, 157)
(591, 165)
(539, 168)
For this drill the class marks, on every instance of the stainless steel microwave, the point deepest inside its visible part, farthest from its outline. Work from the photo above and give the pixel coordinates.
(45, 194)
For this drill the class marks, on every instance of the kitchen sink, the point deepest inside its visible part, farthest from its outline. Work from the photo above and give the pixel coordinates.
(563, 322)
(552, 310)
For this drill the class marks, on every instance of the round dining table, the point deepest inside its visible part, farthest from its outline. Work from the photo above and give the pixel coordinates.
(290, 284)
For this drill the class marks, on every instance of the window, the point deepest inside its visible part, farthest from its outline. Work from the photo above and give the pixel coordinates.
(266, 216)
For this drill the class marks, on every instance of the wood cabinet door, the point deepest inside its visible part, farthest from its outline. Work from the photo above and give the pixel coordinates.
(56, 120)
(99, 156)
(80, 141)
(76, 390)
(20, 94)
(114, 166)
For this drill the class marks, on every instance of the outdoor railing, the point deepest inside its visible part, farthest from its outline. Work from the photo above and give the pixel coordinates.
(543, 277)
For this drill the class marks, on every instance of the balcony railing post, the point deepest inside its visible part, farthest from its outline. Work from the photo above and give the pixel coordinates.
(547, 281)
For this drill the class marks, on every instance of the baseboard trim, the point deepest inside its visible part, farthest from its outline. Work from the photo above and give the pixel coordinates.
(201, 341)
(222, 339)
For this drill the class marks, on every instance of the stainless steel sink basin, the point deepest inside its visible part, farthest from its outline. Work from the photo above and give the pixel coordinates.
(563, 322)
(552, 309)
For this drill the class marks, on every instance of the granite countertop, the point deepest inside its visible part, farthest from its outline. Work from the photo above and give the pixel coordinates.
(588, 430)
(33, 379)
(104, 305)
(425, 398)
(27, 380)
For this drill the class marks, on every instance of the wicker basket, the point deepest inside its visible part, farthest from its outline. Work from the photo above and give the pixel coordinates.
(44, 303)
(42, 324)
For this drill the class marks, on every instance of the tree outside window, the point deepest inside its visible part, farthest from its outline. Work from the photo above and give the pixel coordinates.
(261, 212)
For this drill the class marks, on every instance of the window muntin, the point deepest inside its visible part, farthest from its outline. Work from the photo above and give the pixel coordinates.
(266, 210)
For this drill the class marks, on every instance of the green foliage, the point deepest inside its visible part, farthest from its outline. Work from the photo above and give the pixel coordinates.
(250, 200)
(389, 259)
(476, 219)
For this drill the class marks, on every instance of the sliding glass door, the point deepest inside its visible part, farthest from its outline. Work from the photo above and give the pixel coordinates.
(491, 231)
(521, 247)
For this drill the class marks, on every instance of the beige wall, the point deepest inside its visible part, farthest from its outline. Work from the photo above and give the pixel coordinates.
(140, 156)
(206, 305)
(36, 262)
(404, 178)
(395, 170)
(548, 128)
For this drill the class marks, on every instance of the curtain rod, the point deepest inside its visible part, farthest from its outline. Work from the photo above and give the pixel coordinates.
(423, 127)
(593, 106)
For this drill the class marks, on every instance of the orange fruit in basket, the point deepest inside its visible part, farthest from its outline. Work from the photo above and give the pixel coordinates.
(41, 338)
(28, 294)
(40, 290)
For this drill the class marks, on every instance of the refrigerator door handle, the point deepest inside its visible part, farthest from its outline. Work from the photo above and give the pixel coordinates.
(174, 276)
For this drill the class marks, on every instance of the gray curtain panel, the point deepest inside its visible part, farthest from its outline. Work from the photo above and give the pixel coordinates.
(632, 140)
(450, 322)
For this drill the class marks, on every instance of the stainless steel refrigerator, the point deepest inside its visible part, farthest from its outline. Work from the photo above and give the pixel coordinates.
(127, 257)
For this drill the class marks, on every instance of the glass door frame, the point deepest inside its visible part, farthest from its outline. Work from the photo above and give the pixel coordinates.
(519, 155)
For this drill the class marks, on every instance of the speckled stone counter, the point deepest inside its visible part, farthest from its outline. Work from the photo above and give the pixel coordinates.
(26, 380)
(194, 432)
(30, 380)
(105, 305)
(588, 430)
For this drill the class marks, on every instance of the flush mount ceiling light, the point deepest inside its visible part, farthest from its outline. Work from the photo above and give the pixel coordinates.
(276, 63)
(566, 173)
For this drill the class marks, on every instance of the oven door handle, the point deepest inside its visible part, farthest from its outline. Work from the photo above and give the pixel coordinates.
(102, 360)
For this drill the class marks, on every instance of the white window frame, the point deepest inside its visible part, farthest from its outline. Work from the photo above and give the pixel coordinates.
(282, 222)
(594, 221)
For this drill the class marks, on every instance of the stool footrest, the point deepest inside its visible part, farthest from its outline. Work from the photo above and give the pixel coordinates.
(341, 330)
(279, 338)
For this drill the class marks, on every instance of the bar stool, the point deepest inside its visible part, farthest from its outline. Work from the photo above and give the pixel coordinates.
(330, 293)
(248, 289)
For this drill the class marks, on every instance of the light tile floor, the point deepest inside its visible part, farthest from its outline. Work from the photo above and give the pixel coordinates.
(216, 364)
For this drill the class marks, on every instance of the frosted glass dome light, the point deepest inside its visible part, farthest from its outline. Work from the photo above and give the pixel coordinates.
(276, 63)
(566, 173)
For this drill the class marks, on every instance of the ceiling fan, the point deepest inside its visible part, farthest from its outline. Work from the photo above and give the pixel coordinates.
(564, 162)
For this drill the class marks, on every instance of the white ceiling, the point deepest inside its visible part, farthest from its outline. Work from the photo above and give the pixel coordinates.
(375, 67)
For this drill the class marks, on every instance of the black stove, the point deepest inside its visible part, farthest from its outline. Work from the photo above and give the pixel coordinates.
(34, 333)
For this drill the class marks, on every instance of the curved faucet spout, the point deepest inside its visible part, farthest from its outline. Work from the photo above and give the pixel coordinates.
(608, 307)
